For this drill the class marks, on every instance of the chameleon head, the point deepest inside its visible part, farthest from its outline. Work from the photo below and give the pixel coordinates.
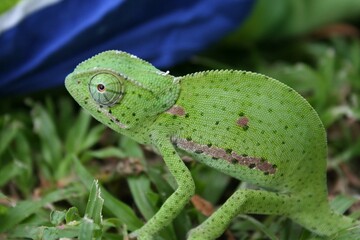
(121, 91)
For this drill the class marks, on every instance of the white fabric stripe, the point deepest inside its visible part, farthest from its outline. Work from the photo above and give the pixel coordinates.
(25, 7)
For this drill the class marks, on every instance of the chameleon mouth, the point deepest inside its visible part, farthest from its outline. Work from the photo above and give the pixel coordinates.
(113, 119)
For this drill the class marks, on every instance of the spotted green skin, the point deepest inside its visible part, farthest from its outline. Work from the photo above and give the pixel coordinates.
(280, 128)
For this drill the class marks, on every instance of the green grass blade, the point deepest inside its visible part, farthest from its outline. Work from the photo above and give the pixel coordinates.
(342, 203)
(24, 209)
(95, 204)
(8, 172)
(44, 233)
(77, 133)
(7, 134)
(87, 229)
(141, 191)
(260, 226)
(116, 207)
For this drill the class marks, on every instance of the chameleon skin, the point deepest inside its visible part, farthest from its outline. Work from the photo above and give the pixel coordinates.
(243, 124)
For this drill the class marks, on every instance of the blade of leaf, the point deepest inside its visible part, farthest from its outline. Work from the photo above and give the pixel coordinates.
(115, 206)
(95, 204)
(86, 229)
(24, 209)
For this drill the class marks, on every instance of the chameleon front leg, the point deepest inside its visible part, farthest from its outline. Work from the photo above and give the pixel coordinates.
(175, 203)
(241, 202)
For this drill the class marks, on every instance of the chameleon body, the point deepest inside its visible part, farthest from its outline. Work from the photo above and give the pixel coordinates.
(243, 124)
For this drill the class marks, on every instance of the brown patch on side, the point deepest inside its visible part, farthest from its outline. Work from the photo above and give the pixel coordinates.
(230, 156)
(176, 110)
(206, 208)
(243, 122)
(203, 206)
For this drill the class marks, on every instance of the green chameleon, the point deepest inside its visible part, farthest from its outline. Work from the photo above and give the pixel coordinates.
(243, 124)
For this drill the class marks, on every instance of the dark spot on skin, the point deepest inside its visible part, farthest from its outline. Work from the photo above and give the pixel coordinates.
(252, 165)
(243, 122)
(176, 110)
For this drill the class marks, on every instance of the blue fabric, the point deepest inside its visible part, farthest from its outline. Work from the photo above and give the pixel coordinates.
(42, 49)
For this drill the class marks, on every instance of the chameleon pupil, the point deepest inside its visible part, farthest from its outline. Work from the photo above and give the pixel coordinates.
(101, 88)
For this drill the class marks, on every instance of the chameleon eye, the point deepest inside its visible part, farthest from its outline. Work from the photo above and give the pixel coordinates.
(106, 88)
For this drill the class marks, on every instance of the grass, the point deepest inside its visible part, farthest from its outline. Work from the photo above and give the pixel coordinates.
(63, 175)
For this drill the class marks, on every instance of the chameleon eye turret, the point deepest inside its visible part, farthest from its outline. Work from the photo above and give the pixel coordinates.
(106, 88)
